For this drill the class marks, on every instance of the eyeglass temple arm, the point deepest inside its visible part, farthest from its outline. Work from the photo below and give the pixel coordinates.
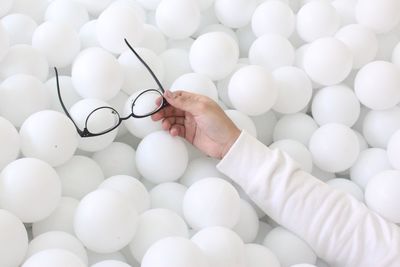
(145, 64)
(62, 103)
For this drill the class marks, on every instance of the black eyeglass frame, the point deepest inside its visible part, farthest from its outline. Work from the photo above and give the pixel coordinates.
(85, 132)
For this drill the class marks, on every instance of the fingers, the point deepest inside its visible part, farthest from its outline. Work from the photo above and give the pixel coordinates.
(185, 101)
(174, 125)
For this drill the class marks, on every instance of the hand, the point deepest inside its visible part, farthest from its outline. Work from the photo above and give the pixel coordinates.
(200, 121)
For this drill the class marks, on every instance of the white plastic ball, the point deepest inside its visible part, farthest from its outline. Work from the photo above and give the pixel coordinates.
(34, 9)
(298, 126)
(273, 17)
(222, 246)
(19, 27)
(245, 38)
(370, 162)
(88, 35)
(174, 252)
(13, 240)
(118, 103)
(322, 175)
(386, 45)
(380, 125)
(271, 51)
(9, 142)
(154, 225)
(111, 263)
(252, 90)
(347, 186)
(58, 42)
(4, 41)
(132, 188)
(382, 194)
(303, 265)
(361, 140)
(95, 7)
(117, 159)
(34, 63)
(380, 16)
(263, 230)
(199, 168)
(79, 176)
(153, 39)
(317, 19)
(5, 7)
(336, 104)
(328, 61)
(376, 85)
(196, 83)
(294, 89)
(69, 94)
(211, 202)
(242, 121)
(334, 147)
(105, 221)
(54, 257)
(71, 13)
(99, 257)
(181, 43)
(396, 55)
(176, 63)
(346, 10)
(149, 4)
(155, 150)
(259, 256)
(117, 22)
(57, 240)
(204, 5)
(214, 54)
(393, 150)
(223, 86)
(217, 28)
(99, 122)
(288, 247)
(50, 136)
(61, 219)
(248, 224)
(265, 125)
(297, 151)
(361, 41)
(168, 196)
(171, 13)
(137, 77)
(30, 188)
(96, 73)
(236, 13)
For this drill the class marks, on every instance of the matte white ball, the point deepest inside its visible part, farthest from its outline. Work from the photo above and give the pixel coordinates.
(111, 263)
(380, 16)
(95, 7)
(380, 125)
(116, 159)
(294, 89)
(117, 22)
(242, 121)
(347, 186)
(334, 147)
(57, 240)
(376, 85)
(370, 162)
(25, 92)
(5, 7)
(288, 247)
(156, 150)
(58, 42)
(236, 13)
(252, 90)
(245, 38)
(34, 9)
(196, 83)
(393, 150)
(88, 35)
(336, 104)
(30, 188)
(34, 63)
(199, 168)
(222, 246)
(149, 4)
(150, 230)
(4, 41)
(396, 55)
(204, 4)
(218, 28)
(361, 41)
(328, 61)
(132, 188)
(54, 257)
(79, 176)
(153, 39)
(19, 27)
(259, 256)
(382, 194)
(211, 202)
(176, 63)
(168, 196)
(248, 224)
(346, 10)
(71, 13)
(317, 19)
(97, 74)
(171, 13)
(61, 219)
(13, 241)
(105, 221)
(214, 54)
(50, 136)
(99, 257)
(297, 151)
(265, 125)
(174, 252)
(273, 17)
(68, 93)
(9, 142)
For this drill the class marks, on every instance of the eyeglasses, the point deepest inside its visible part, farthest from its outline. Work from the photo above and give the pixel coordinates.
(110, 117)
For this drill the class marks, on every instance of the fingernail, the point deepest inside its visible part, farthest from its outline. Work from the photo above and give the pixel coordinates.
(168, 94)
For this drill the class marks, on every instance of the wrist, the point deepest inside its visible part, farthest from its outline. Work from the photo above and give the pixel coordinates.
(235, 133)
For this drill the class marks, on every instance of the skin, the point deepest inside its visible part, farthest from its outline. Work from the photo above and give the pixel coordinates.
(200, 121)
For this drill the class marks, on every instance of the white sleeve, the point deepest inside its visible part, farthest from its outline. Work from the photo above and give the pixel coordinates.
(339, 228)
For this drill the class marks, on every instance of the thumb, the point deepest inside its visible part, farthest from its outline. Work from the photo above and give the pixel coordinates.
(184, 100)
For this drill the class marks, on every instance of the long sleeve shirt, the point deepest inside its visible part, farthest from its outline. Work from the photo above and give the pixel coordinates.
(339, 228)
